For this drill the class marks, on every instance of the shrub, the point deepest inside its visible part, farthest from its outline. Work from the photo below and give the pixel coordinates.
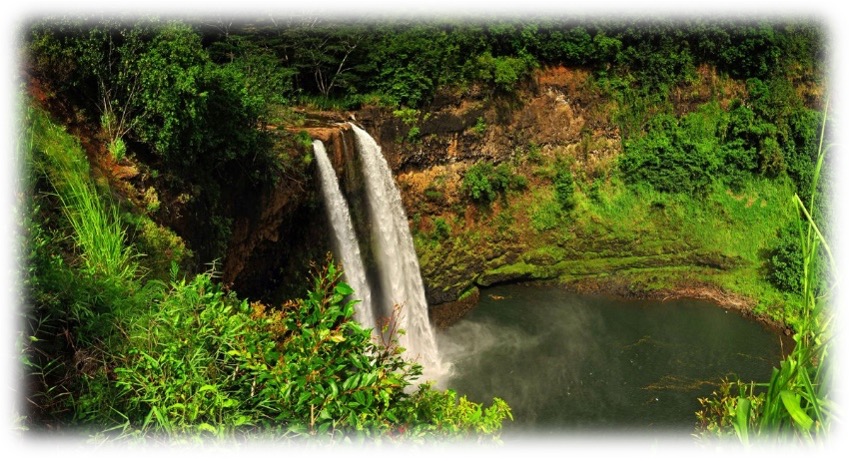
(667, 159)
(502, 71)
(785, 262)
(433, 194)
(174, 97)
(480, 126)
(675, 155)
(483, 182)
(564, 193)
(477, 183)
(442, 230)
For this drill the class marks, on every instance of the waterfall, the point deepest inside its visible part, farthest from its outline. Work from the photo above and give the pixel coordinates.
(345, 240)
(398, 266)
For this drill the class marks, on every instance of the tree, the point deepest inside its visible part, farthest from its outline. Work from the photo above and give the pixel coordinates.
(173, 74)
(324, 53)
(265, 81)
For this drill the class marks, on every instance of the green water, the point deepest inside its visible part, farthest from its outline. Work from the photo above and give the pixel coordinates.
(566, 362)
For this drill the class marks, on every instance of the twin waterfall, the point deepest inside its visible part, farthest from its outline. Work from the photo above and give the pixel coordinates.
(397, 271)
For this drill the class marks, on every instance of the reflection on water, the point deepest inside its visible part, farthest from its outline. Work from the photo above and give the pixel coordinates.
(567, 362)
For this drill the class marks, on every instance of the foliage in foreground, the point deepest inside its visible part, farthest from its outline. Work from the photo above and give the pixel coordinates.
(795, 404)
(203, 362)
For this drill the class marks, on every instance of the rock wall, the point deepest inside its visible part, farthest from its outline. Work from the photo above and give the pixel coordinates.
(557, 110)
(280, 232)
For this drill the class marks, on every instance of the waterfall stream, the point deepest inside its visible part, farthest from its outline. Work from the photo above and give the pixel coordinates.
(399, 268)
(345, 240)
(402, 296)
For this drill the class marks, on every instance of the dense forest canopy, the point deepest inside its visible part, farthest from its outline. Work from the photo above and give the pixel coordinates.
(406, 60)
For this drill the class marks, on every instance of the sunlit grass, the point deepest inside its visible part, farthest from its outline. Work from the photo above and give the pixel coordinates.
(98, 232)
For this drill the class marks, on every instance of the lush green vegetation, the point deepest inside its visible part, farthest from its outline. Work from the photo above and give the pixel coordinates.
(405, 62)
(483, 182)
(631, 238)
(124, 336)
(689, 153)
(160, 96)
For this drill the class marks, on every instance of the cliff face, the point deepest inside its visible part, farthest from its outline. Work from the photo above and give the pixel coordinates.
(557, 112)
(558, 121)
(283, 229)
(558, 108)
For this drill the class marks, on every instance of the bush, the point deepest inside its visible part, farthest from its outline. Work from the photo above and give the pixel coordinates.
(673, 155)
(409, 63)
(786, 262)
(502, 71)
(564, 183)
(442, 230)
(174, 76)
(433, 194)
(799, 159)
(483, 182)
(480, 126)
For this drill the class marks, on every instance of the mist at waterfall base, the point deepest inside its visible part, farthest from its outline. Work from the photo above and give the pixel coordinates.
(398, 270)
(568, 363)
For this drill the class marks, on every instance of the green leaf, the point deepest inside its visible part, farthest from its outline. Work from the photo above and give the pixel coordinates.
(343, 289)
(741, 423)
(207, 427)
(207, 387)
(791, 402)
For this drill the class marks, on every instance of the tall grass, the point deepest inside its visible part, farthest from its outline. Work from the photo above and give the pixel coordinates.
(98, 232)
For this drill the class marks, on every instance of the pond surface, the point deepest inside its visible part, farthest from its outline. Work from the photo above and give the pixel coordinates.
(566, 362)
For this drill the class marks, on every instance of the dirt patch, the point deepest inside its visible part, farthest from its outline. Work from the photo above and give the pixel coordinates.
(431, 190)
(750, 200)
(571, 80)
